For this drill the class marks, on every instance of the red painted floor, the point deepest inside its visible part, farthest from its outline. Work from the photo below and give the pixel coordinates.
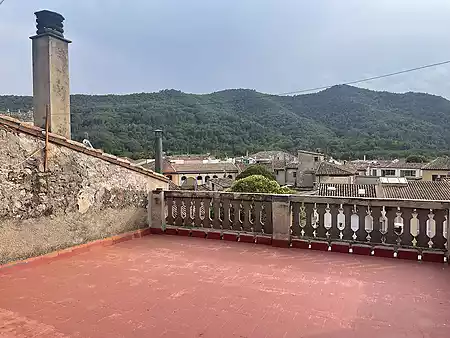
(168, 286)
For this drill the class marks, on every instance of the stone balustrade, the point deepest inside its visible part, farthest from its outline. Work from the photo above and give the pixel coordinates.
(386, 227)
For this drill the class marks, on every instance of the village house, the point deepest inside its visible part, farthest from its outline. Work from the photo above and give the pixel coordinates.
(395, 168)
(436, 169)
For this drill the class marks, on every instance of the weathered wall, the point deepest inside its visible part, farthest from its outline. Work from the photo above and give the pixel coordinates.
(81, 198)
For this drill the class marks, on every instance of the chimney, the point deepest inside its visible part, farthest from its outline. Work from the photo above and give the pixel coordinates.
(158, 151)
(51, 73)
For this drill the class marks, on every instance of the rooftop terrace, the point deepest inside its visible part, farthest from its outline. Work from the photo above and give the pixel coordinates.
(173, 286)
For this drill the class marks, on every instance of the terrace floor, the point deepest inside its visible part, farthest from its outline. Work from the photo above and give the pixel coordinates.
(170, 286)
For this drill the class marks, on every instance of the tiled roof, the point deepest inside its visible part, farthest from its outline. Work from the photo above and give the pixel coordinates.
(274, 155)
(76, 146)
(402, 164)
(418, 190)
(222, 182)
(167, 166)
(441, 163)
(347, 190)
(204, 167)
(173, 186)
(330, 169)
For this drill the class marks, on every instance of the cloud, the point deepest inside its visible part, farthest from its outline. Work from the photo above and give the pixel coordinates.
(201, 45)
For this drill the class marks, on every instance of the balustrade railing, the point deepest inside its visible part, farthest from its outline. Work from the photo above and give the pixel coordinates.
(409, 224)
(221, 211)
(422, 225)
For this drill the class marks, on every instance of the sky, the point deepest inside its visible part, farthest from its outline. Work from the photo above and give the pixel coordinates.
(202, 46)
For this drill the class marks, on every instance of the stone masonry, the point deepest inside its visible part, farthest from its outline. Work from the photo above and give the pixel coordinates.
(81, 197)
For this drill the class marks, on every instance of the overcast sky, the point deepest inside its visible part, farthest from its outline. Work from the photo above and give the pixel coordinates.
(201, 46)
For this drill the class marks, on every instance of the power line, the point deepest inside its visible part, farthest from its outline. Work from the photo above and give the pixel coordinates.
(1, 1)
(368, 78)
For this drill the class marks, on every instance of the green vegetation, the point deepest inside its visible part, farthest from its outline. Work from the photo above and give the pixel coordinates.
(258, 184)
(416, 159)
(256, 170)
(346, 122)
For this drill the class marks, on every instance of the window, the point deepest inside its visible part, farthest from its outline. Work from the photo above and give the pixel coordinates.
(374, 172)
(230, 176)
(215, 176)
(207, 178)
(434, 177)
(169, 177)
(199, 178)
(407, 173)
(387, 172)
(183, 178)
(316, 159)
(294, 174)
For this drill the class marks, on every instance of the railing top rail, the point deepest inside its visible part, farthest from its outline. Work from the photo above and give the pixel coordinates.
(387, 202)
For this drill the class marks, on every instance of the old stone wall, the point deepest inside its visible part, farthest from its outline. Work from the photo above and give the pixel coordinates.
(81, 197)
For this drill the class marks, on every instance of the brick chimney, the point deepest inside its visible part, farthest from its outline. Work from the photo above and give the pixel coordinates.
(51, 73)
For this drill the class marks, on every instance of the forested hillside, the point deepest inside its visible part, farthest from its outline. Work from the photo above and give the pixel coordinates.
(344, 121)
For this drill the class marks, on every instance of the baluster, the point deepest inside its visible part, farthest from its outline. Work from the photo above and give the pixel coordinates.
(183, 213)
(258, 226)
(176, 212)
(327, 222)
(266, 217)
(383, 225)
(199, 212)
(445, 229)
(295, 212)
(320, 230)
(314, 220)
(226, 222)
(361, 233)
(217, 213)
(246, 225)
(406, 238)
(170, 220)
(398, 226)
(235, 216)
(391, 236)
(307, 230)
(422, 217)
(414, 226)
(354, 222)
(207, 207)
(368, 223)
(431, 229)
(192, 213)
(341, 223)
(440, 218)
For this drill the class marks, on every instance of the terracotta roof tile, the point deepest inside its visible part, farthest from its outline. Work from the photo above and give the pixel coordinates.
(205, 167)
(347, 190)
(330, 169)
(418, 190)
(440, 163)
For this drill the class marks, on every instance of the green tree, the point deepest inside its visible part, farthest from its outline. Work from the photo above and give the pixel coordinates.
(416, 159)
(256, 170)
(258, 184)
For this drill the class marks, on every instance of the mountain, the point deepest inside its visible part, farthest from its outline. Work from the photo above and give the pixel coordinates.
(344, 121)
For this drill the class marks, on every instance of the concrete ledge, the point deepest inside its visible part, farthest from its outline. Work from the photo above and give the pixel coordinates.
(433, 256)
(198, 233)
(266, 240)
(280, 243)
(184, 232)
(300, 244)
(156, 231)
(246, 238)
(319, 245)
(361, 249)
(230, 236)
(171, 231)
(72, 251)
(214, 235)
(409, 254)
(383, 251)
(340, 247)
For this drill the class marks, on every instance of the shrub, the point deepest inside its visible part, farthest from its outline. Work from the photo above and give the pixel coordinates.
(258, 184)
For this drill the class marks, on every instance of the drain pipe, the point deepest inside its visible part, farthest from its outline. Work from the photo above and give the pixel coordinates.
(158, 151)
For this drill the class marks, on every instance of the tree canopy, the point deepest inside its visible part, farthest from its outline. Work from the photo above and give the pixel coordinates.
(256, 170)
(346, 122)
(258, 184)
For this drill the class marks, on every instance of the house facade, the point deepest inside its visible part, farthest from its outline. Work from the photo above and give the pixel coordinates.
(395, 168)
(437, 169)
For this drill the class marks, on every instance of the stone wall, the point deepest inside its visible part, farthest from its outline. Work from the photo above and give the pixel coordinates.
(81, 197)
